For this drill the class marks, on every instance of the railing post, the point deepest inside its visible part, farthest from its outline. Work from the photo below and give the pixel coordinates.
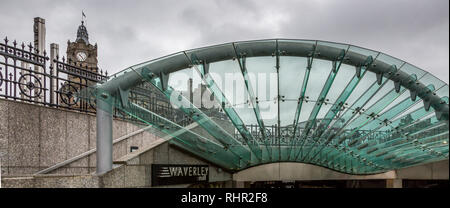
(104, 133)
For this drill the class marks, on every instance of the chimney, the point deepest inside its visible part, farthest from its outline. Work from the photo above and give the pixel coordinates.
(39, 34)
(39, 44)
(190, 90)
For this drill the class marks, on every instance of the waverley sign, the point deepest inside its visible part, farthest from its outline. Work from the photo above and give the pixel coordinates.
(164, 174)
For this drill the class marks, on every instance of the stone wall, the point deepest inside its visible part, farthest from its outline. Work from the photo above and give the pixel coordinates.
(131, 171)
(52, 181)
(288, 171)
(34, 137)
(435, 171)
(135, 169)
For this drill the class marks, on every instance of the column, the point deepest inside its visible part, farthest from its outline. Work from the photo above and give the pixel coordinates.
(54, 52)
(104, 133)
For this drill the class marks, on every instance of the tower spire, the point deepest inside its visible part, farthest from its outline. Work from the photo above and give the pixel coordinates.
(82, 33)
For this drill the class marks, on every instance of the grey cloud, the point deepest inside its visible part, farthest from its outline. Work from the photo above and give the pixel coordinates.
(129, 32)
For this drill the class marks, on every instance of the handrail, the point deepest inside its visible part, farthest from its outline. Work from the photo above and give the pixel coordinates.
(68, 161)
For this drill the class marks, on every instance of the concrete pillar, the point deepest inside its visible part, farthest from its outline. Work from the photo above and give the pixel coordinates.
(104, 134)
(39, 34)
(54, 52)
(39, 44)
(394, 183)
(25, 65)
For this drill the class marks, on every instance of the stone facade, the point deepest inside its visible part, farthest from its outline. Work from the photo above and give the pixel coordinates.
(131, 171)
(288, 171)
(82, 45)
(34, 137)
(135, 168)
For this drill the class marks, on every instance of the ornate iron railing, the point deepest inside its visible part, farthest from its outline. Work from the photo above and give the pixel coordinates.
(18, 79)
(287, 134)
(70, 79)
(28, 75)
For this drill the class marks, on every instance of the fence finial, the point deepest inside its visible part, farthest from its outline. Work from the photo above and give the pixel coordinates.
(30, 47)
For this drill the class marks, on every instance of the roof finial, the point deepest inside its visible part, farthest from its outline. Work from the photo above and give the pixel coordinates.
(82, 33)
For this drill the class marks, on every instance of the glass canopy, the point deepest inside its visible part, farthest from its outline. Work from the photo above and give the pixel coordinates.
(242, 104)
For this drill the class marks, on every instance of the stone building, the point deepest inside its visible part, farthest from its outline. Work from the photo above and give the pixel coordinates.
(81, 52)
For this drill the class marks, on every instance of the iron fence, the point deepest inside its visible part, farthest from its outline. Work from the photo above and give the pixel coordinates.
(28, 75)
(22, 73)
(287, 138)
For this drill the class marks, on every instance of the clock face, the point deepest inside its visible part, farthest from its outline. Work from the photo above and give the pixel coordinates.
(81, 56)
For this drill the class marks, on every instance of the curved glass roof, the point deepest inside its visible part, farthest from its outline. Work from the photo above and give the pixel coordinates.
(339, 106)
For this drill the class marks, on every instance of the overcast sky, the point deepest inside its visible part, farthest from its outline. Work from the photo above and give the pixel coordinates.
(129, 32)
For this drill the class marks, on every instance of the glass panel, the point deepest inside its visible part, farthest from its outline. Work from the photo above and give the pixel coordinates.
(313, 123)
(297, 125)
(361, 53)
(368, 133)
(354, 110)
(227, 106)
(373, 111)
(350, 137)
(333, 44)
(181, 82)
(368, 82)
(299, 48)
(112, 76)
(203, 120)
(229, 80)
(262, 75)
(318, 70)
(233, 86)
(399, 99)
(390, 60)
(313, 93)
(443, 92)
(185, 138)
(435, 131)
(410, 70)
(428, 79)
(407, 127)
(358, 107)
(386, 87)
(334, 110)
(343, 79)
(292, 74)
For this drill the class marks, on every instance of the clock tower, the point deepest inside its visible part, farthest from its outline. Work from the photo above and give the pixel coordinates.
(83, 55)
(81, 52)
